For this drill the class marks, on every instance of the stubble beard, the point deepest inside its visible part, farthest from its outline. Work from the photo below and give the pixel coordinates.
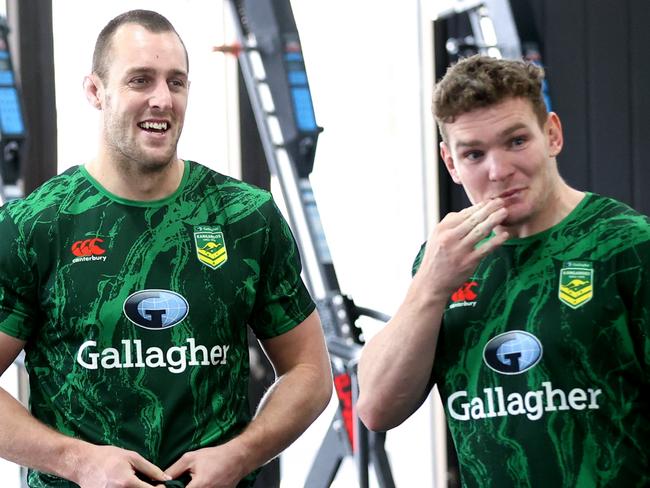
(130, 159)
(134, 161)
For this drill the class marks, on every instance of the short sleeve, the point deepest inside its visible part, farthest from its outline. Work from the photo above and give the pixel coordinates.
(418, 259)
(17, 282)
(282, 301)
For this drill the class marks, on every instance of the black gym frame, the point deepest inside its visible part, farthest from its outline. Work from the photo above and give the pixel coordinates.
(595, 53)
(30, 24)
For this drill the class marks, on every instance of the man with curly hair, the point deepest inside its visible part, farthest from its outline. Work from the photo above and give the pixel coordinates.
(530, 309)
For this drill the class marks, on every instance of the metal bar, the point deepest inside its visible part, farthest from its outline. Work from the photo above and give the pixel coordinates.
(280, 165)
(328, 458)
(303, 217)
(379, 460)
(360, 448)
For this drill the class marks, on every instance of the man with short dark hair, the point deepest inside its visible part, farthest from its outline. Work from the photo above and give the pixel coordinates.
(130, 282)
(528, 310)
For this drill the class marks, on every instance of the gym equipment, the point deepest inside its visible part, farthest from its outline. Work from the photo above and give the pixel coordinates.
(493, 27)
(272, 64)
(12, 127)
(500, 28)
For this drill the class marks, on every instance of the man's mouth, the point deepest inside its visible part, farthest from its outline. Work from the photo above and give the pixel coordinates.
(154, 126)
(509, 193)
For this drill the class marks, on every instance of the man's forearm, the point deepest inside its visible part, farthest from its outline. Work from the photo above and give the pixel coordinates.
(395, 366)
(294, 401)
(26, 441)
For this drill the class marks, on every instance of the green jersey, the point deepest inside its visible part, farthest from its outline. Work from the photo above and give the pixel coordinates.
(543, 356)
(135, 313)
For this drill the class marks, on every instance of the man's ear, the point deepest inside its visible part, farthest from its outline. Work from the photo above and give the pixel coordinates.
(93, 89)
(554, 134)
(445, 154)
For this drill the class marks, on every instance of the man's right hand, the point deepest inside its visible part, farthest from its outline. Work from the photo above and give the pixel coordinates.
(112, 467)
(451, 254)
(395, 365)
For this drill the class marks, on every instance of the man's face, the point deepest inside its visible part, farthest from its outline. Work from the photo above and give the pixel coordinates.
(144, 97)
(501, 151)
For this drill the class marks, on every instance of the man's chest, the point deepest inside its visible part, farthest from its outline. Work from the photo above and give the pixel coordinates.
(557, 323)
(134, 274)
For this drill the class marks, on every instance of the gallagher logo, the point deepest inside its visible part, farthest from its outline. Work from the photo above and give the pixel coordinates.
(512, 352)
(465, 296)
(156, 309)
(88, 250)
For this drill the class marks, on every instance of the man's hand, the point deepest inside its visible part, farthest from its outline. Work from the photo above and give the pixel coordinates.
(211, 467)
(395, 365)
(112, 467)
(451, 254)
(300, 393)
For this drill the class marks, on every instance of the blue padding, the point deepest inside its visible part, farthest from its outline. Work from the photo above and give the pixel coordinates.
(11, 120)
(7, 78)
(293, 57)
(304, 109)
(297, 78)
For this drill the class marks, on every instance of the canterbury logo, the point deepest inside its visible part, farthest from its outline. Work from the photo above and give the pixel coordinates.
(465, 293)
(465, 296)
(88, 247)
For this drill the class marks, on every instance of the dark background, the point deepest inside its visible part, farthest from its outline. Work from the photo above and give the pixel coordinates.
(596, 55)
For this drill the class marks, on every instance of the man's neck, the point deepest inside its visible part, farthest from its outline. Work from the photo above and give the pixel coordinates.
(129, 182)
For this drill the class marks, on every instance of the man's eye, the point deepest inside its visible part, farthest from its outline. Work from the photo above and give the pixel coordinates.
(473, 155)
(139, 80)
(518, 141)
(177, 83)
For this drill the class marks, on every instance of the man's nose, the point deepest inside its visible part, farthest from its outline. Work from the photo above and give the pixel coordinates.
(499, 167)
(161, 97)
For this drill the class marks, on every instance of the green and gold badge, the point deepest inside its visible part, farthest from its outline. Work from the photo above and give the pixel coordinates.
(576, 283)
(210, 246)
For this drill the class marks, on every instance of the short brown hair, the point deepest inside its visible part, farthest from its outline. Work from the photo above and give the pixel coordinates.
(150, 20)
(481, 81)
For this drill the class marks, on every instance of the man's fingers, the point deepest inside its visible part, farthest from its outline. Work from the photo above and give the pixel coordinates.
(464, 223)
(482, 219)
(178, 468)
(483, 228)
(454, 219)
(468, 211)
(141, 465)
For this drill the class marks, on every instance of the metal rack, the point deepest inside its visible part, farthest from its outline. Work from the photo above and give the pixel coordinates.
(494, 31)
(12, 127)
(272, 64)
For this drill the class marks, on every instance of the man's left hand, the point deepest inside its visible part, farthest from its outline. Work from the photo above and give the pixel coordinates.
(212, 467)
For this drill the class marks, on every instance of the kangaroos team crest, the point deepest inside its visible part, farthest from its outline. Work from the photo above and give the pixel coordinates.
(576, 283)
(210, 246)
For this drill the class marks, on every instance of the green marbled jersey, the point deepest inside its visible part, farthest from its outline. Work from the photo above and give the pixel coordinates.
(563, 399)
(161, 372)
